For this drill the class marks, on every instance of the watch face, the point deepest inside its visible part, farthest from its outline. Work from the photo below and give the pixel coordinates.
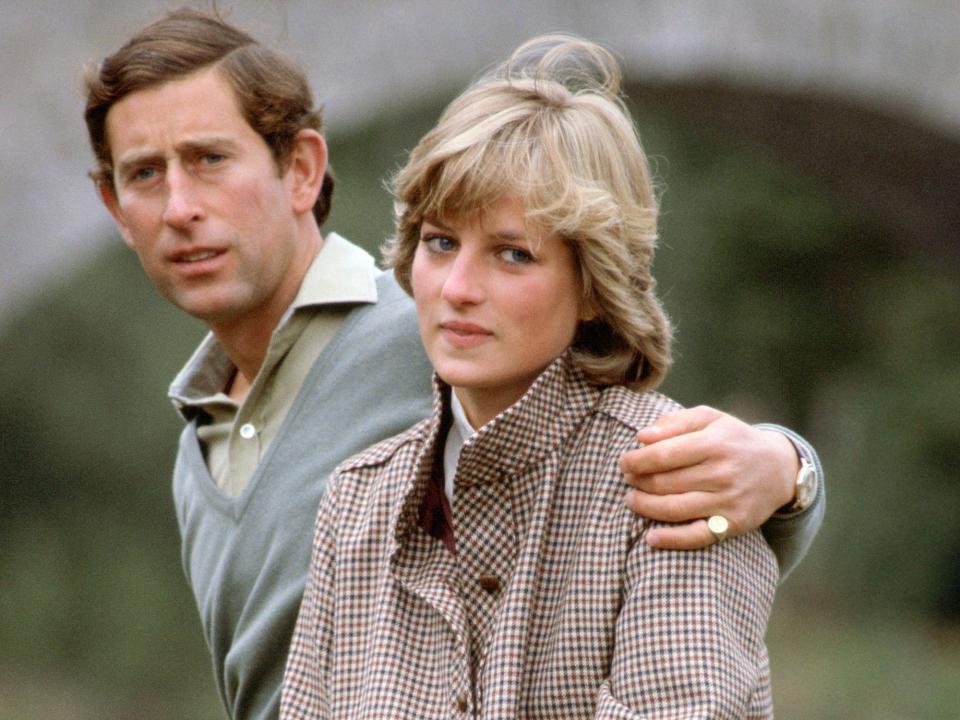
(806, 486)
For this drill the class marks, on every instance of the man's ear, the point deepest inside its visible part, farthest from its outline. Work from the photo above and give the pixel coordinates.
(308, 162)
(108, 197)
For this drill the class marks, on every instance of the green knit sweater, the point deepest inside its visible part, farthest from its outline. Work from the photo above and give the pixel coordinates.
(246, 558)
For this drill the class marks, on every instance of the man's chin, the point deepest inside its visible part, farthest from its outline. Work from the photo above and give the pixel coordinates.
(209, 310)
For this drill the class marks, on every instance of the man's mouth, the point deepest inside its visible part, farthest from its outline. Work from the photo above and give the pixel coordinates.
(197, 256)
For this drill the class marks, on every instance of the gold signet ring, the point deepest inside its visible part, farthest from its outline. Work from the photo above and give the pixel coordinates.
(718, 526)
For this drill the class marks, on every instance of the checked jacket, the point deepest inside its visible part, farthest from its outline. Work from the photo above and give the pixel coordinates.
(551, 606)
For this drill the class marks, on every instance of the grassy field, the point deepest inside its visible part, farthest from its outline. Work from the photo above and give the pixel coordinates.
(880, 668)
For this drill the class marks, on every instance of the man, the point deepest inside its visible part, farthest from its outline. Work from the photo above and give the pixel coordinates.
(211, 161)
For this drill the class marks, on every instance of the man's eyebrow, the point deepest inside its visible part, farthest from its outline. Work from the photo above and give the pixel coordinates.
(206, 143)
(135, 158)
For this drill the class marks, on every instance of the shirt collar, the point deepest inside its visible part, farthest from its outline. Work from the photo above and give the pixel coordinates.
(340, 273)
(460, 417)
(460, 431)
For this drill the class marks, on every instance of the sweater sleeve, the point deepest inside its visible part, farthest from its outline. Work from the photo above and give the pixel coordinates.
(791, 537)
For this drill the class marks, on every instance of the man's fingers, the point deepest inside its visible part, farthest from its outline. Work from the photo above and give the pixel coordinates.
(692, 536)
(678, 423)
(707, 477)
(666, 455)
(675, 508)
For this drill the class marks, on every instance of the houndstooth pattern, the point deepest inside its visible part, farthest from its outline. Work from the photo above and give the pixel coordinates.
(582, 619)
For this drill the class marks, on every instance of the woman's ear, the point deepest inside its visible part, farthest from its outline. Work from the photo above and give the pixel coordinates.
(588, 310)
(308, 162)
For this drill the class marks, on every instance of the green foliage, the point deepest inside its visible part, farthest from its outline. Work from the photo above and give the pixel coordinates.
(362, 161)
(866, 666)
(788, 306)
(791, 307)
(93, 589)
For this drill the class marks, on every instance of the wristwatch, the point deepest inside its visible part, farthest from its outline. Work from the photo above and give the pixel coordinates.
(805, 489)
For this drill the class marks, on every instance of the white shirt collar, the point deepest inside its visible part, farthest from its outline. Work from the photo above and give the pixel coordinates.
(460, 431)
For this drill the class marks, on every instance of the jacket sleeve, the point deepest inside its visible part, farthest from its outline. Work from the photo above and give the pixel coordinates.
(689, 638)
(307, 675)
(791, 537)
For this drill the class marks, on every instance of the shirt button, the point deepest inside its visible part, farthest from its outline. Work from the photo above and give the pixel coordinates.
(462, 703)
(247, 431)
(488, 582)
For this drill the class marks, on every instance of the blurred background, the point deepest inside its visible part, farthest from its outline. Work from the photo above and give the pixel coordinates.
(808, 156)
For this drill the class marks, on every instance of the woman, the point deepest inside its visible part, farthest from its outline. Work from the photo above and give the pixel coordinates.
(483, 563)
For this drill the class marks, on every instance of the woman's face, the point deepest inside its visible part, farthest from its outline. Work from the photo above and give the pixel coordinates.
(497, 302)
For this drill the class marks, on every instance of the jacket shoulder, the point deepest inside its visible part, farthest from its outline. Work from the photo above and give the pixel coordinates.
(635, 410)
(382, 452)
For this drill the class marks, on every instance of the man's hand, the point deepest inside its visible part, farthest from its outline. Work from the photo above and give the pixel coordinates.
(701, 462)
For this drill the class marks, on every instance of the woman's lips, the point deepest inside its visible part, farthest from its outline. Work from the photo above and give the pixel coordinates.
(464, 334)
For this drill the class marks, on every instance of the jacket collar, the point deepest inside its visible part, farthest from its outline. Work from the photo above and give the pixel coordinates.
(522, 436)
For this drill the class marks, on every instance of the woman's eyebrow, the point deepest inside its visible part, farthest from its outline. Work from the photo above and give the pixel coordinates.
(436, 223)
(508, 235)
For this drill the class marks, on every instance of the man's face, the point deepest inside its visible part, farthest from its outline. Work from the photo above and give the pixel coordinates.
(199, 198)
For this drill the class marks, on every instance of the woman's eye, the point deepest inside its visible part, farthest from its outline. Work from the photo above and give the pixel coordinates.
(438, 243)
(516, 256)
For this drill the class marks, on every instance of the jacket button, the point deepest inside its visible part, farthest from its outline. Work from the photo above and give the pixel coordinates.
(462, 703)
(488, 582)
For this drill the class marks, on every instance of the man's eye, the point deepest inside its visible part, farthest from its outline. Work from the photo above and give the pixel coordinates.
(515, 256)
(144, 173)
(213, 158)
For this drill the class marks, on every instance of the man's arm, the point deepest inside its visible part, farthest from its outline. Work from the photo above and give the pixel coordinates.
(701, 462)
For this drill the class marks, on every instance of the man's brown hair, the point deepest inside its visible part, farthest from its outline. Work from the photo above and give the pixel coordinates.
(271, 90)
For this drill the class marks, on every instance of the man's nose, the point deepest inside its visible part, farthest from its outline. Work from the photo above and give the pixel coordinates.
(183, 203)
(464, 282)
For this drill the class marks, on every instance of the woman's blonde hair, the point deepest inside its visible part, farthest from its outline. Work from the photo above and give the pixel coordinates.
(551, 126)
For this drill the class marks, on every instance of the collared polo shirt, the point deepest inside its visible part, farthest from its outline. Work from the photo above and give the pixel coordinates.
(236, 435)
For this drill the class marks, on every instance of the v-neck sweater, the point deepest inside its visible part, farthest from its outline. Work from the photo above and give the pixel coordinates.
(246, 557)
